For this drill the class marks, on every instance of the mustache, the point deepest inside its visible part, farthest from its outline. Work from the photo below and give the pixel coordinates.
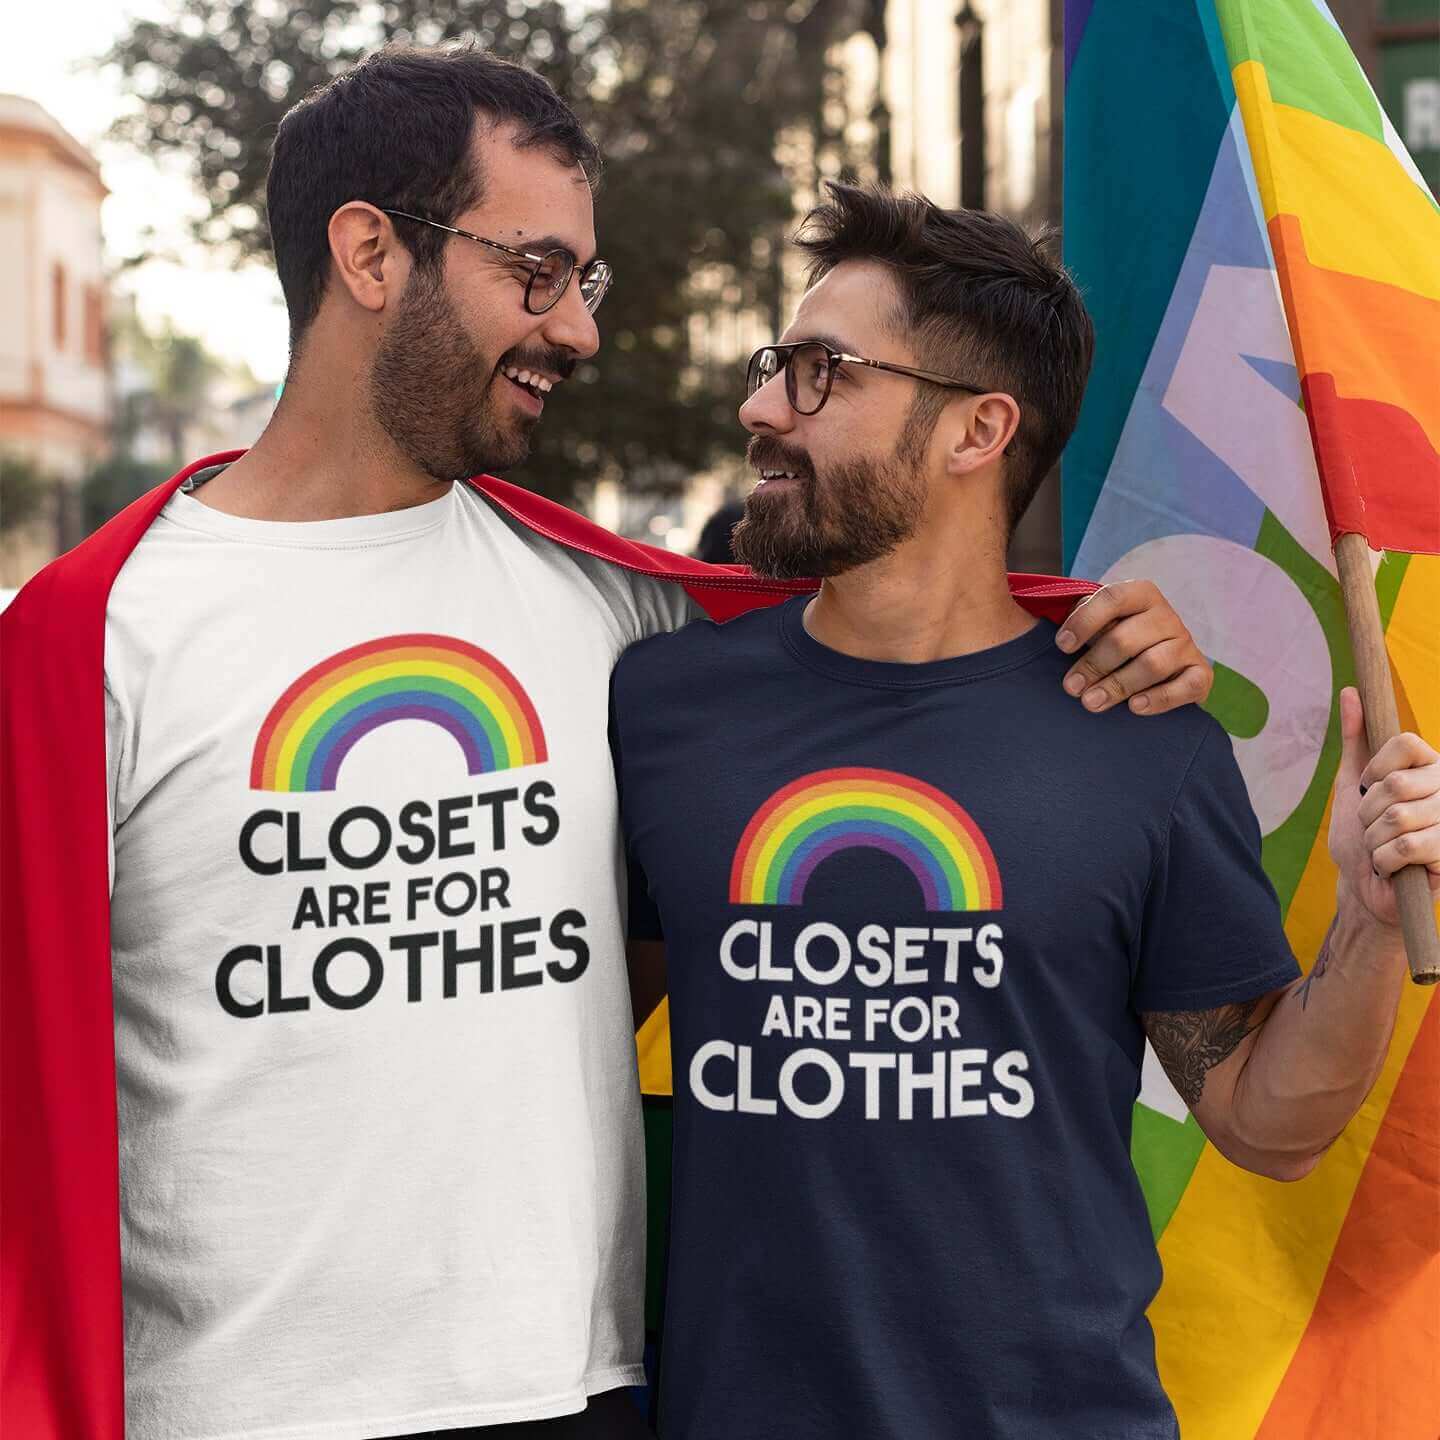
(549, 361)
(764, 452)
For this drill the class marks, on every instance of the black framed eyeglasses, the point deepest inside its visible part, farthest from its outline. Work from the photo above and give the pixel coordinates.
(810, 367)
(549, 275)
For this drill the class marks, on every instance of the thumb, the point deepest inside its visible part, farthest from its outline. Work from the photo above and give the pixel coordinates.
(1355, 747)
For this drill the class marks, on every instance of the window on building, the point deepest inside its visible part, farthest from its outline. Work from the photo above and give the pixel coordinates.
(58, 298)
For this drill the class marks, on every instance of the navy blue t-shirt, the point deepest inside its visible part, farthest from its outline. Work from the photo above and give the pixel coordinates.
(912, 913)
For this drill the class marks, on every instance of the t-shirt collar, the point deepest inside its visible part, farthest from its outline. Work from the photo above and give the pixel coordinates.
(893, 675)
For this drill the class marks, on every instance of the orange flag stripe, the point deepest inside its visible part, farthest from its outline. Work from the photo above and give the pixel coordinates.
(1378, 341)
(1383, 1283)
(1383, 1279)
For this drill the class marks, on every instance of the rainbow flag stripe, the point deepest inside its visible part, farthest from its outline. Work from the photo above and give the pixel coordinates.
(1356, 240)
(821, 814)
(1262, 261)
(464, 690)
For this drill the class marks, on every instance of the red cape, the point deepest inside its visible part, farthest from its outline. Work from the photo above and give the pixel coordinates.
(61, 1352)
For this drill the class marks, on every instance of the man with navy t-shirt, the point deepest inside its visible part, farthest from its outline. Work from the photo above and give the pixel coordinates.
(921, 913)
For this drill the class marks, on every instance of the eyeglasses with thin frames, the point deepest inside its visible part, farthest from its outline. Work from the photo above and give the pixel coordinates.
(550, 274)
(810, 367)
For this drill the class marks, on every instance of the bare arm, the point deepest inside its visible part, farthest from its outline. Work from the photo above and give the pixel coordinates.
(1274, 1081)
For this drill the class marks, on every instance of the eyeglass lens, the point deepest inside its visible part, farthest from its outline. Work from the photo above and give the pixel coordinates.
(552, 276)
(807, 375)
(549, 280)
(594, 282)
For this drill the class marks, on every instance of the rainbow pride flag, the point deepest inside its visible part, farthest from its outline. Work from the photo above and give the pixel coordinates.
(1262, 260)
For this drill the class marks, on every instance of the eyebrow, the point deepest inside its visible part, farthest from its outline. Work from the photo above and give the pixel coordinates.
(833, 341)
(541, 243)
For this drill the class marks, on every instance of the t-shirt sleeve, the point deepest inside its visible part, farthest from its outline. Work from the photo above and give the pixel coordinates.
(1211, 932)
(114, 749)
(661, 605)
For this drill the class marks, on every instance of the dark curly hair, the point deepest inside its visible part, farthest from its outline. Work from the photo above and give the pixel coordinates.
(395, 130)
(980, 298)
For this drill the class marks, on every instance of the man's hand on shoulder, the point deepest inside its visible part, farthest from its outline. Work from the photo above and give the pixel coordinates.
(1136, 648)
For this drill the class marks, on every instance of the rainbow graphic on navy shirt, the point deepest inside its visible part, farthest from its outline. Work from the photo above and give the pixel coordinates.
(464, 690)
(828, 811)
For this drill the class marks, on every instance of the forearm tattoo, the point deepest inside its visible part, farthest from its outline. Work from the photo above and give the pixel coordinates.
(1191, 1043)
(1317, 970)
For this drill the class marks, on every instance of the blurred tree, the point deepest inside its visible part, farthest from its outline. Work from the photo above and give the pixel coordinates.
(687, 99)
(166, 386)
(24, 486)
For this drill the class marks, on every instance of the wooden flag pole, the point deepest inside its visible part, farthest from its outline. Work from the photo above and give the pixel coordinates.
(1382, 723)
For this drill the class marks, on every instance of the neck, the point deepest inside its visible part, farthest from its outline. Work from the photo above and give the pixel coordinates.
(932, 598)
(322, 456)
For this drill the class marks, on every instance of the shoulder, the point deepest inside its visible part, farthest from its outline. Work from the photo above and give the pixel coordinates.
(708, 652)
(1148, 755)
(638, 600)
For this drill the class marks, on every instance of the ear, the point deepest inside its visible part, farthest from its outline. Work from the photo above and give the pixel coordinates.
(371, 263)
(988, 425)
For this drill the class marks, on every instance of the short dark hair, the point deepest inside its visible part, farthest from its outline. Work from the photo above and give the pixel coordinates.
(981, 299)
(395, 130)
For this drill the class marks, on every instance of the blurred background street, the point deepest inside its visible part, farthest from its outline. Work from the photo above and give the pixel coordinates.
(141, 325)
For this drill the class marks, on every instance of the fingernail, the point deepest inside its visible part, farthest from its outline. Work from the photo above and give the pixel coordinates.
(1094, 699)
(1066, 639)
(1074, 684)
(1140, 702)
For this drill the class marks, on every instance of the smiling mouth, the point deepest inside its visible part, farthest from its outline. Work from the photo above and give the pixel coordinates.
(767, 475)
(533, 384)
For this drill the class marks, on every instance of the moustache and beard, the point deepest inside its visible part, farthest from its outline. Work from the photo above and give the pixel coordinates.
(814, 528)
(436, 393)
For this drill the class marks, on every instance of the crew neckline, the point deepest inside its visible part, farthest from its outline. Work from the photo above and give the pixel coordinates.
(897, 675)
(190, 513)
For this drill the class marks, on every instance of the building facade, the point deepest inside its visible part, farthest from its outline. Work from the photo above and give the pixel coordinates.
(54, 371)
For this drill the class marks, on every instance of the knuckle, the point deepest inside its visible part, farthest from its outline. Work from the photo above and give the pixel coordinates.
(1156, 666)
(1114, 687)
(1395, 815)
(1403, 846)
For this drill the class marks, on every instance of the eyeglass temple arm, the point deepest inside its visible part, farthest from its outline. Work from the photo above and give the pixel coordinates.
(909, 370)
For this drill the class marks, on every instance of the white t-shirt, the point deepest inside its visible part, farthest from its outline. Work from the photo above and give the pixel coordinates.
(381, 1162)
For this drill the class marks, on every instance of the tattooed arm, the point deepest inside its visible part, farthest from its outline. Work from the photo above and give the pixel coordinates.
(1275, 1080)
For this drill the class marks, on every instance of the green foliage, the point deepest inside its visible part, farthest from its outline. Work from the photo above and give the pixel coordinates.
(113, 483)
(687, 99)
(171, 381)
(23, 488)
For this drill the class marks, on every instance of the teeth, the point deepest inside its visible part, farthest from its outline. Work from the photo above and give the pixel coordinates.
(524, 377)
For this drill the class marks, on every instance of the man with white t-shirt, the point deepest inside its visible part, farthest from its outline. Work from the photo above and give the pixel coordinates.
(379, 1145)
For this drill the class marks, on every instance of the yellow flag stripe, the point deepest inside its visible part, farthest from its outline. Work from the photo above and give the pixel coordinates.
(1312, 168)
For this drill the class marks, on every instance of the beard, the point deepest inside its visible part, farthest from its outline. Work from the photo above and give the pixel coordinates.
(433, 390)
(820, 526)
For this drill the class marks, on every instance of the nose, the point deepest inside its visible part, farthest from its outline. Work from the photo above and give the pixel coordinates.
(767, 411)
(570, 325)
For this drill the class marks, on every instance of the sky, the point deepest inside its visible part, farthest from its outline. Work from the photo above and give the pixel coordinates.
(237, 311)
